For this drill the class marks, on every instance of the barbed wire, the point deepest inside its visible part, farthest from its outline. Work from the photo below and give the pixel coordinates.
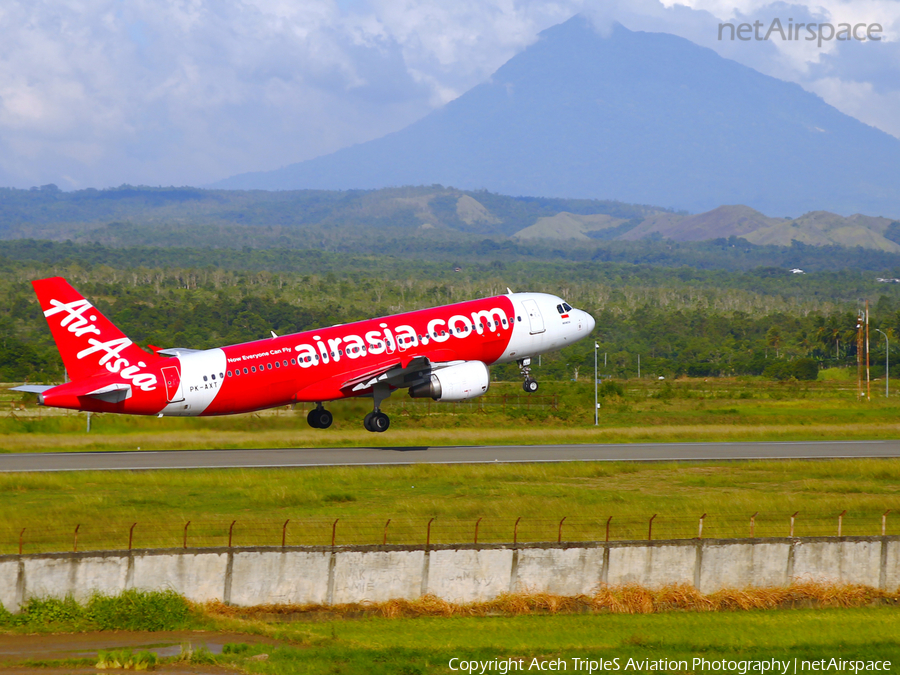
(207, 532)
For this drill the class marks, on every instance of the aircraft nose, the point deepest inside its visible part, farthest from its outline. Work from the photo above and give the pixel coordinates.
(589, 321)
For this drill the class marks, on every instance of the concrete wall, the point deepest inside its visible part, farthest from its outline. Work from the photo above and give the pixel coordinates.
(299, 575)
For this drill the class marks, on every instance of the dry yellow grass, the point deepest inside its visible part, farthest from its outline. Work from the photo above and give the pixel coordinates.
(614, 599)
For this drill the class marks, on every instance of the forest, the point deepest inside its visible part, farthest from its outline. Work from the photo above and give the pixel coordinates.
(679, 320)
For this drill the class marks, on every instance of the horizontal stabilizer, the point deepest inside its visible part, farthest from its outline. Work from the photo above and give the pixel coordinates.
(177, 351)
(33, 388)
(112, 393)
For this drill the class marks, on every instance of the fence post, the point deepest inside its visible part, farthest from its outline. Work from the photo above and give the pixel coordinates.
(650, 529)
(428, 534)
(284, 532)
(884, 522)
(131, 535)
(516, 531)
(477, 523)
(607, 527)
(792, 522)
(334, 531)
(20, 540)
(75, 544)
(753, 523)
(559, 535)
(184, 542)
(841, 521)
(230, 530)
(700, 529)
(384, 539)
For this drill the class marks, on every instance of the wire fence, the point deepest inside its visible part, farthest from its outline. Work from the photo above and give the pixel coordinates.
(361, 531)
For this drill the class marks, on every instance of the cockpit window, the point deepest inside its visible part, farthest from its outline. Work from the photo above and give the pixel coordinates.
(559, 308)
(567, 307)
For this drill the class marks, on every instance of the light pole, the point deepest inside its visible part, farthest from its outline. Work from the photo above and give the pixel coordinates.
(596, 405)
(887, 363)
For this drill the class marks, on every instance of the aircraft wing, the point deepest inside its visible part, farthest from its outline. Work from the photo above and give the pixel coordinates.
(401, 373)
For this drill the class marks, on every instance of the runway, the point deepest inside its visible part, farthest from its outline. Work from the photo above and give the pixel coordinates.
(385, 456)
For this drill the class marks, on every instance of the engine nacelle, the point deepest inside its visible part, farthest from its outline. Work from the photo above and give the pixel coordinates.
(455, 383)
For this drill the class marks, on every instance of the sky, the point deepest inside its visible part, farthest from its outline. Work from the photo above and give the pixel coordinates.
(98, 93)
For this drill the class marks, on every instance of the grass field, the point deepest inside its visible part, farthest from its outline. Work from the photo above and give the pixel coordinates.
(355, 504)
(105, 505)
(717, 409)
(430, 644)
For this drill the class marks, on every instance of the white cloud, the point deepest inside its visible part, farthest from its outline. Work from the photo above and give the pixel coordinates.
(101, 92)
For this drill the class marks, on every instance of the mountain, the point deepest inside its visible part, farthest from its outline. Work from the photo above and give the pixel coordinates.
(633, 116)
(817, 228)
(724, 221)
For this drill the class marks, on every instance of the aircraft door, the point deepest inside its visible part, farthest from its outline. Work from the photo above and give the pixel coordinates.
(172, 378)
(535, 320)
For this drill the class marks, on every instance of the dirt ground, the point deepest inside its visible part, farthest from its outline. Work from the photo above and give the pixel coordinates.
(15, 649)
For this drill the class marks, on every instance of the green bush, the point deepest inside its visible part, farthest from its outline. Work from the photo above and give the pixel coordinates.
(806, 369)
(132, 610)
(801, 369)
(610, 388)
(139, 610)
(49, 611)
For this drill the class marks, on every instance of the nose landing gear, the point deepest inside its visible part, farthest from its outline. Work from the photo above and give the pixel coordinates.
(319, 418)
(530, 384)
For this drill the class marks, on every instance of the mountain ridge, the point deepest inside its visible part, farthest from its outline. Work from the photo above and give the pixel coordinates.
(639, 117)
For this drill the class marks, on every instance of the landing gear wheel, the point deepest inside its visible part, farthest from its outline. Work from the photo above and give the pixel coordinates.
(530, 385)
(379, 422)
(367, 421)
(319, 418)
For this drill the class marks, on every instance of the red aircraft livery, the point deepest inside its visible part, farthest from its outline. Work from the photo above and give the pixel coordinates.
(442, 353)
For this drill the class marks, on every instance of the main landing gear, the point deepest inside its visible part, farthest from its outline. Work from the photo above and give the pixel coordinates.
(319, 418)
(376, 420)
(530, 384)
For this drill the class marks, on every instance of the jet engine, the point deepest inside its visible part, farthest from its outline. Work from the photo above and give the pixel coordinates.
(455, 383)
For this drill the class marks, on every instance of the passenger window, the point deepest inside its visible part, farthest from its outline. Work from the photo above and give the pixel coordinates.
(504, 322)
(293, 362)
(245, 371)
(278, 364)
(519, 318)
(229, 373)
(213, 376)
(252, 369)
(204, 378)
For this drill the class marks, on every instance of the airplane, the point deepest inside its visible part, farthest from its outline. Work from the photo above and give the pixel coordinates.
(442, 353)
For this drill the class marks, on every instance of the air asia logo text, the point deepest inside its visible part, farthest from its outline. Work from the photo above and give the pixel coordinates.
(76, 322)
(389, 340)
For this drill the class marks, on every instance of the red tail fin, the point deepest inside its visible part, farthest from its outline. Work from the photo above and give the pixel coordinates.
(88, 342)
